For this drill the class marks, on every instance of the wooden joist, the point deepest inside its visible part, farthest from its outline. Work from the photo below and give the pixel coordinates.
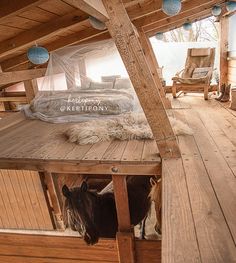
(16, 76)
(126, 39)
(172, 22)
(13, 99)
(138, 18)
(41, 32)
(75, 38)
(142, 8)
(94, 8)
(186, 7)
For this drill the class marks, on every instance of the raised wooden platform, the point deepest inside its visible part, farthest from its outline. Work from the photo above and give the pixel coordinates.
(41, 146)
(199, 197)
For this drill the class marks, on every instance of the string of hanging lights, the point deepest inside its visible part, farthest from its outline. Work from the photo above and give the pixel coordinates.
(173, 7)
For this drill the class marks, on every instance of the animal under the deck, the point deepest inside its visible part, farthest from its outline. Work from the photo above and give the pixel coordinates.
(94, 215)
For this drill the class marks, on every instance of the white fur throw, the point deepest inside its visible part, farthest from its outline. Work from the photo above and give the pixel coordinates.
(132, 126)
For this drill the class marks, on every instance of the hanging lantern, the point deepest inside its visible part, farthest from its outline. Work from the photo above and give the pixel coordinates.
(171, 7)
(159, 36)
(187, 26)
(216, 10)
(38, 55)
(231, 6)
(97, 24)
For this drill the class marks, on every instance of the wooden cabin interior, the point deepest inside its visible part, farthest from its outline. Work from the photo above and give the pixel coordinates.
(197, 170)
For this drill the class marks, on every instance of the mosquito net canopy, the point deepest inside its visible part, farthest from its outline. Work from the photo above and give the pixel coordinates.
(84, 82)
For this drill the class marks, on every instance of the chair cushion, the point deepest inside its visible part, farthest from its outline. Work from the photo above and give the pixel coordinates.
(188, 72)
(101, 85)
(200, 72)
(200, 52)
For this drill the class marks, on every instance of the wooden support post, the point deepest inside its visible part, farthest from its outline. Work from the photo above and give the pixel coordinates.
(31, 89)
(82, 72)
(153, 65)
(125, 245)
(224, 31)
(122, 202)
(48, 179)
(129, 47)
(4, 105)
(125, 236)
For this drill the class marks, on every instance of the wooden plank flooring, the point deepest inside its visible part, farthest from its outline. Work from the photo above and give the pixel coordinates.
(37, 145)
(200, 200)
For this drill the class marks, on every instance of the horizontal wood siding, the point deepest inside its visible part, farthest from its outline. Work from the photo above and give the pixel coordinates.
(22, 201)
(18, 248)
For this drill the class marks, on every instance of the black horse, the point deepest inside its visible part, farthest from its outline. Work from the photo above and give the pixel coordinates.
(94, 215)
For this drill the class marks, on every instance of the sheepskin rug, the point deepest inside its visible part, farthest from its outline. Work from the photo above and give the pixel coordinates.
(132, 126)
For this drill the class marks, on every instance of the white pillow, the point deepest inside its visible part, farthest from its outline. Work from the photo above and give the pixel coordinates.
(111, 78)
(200, 72)
(101, 85)
(123, 83)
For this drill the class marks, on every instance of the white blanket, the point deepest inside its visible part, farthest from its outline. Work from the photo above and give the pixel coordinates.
(79, 105)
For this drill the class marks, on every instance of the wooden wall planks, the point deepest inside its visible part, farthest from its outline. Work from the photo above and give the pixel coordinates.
(25, 248)
(22, 201)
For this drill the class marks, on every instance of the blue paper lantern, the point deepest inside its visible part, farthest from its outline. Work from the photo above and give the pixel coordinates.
(171, 7)
(231, 6)
(216, 10)
(97, 24)
(159, 36)
(38, 55)
(187, 26)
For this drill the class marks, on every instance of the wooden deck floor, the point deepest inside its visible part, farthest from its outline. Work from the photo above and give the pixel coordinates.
(199, 190)
(199, 207)
(41, 146)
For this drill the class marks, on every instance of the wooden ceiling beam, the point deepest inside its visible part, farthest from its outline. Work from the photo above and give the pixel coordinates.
(75, 38)
(174, 21)
(41, 32)
(13, 8)
(143, 8)
(93, 8)
(178, 23)
(131, 52)
(185, 16)
(186, 7)
(17, 76)
(160, 18)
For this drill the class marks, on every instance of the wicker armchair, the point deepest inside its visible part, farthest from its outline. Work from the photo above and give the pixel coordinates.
(197, 74)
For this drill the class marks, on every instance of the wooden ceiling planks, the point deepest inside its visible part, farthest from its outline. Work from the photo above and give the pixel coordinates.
(13, 8)
(57, 7)
(27, 38)
(38, 14)
(145, 13)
